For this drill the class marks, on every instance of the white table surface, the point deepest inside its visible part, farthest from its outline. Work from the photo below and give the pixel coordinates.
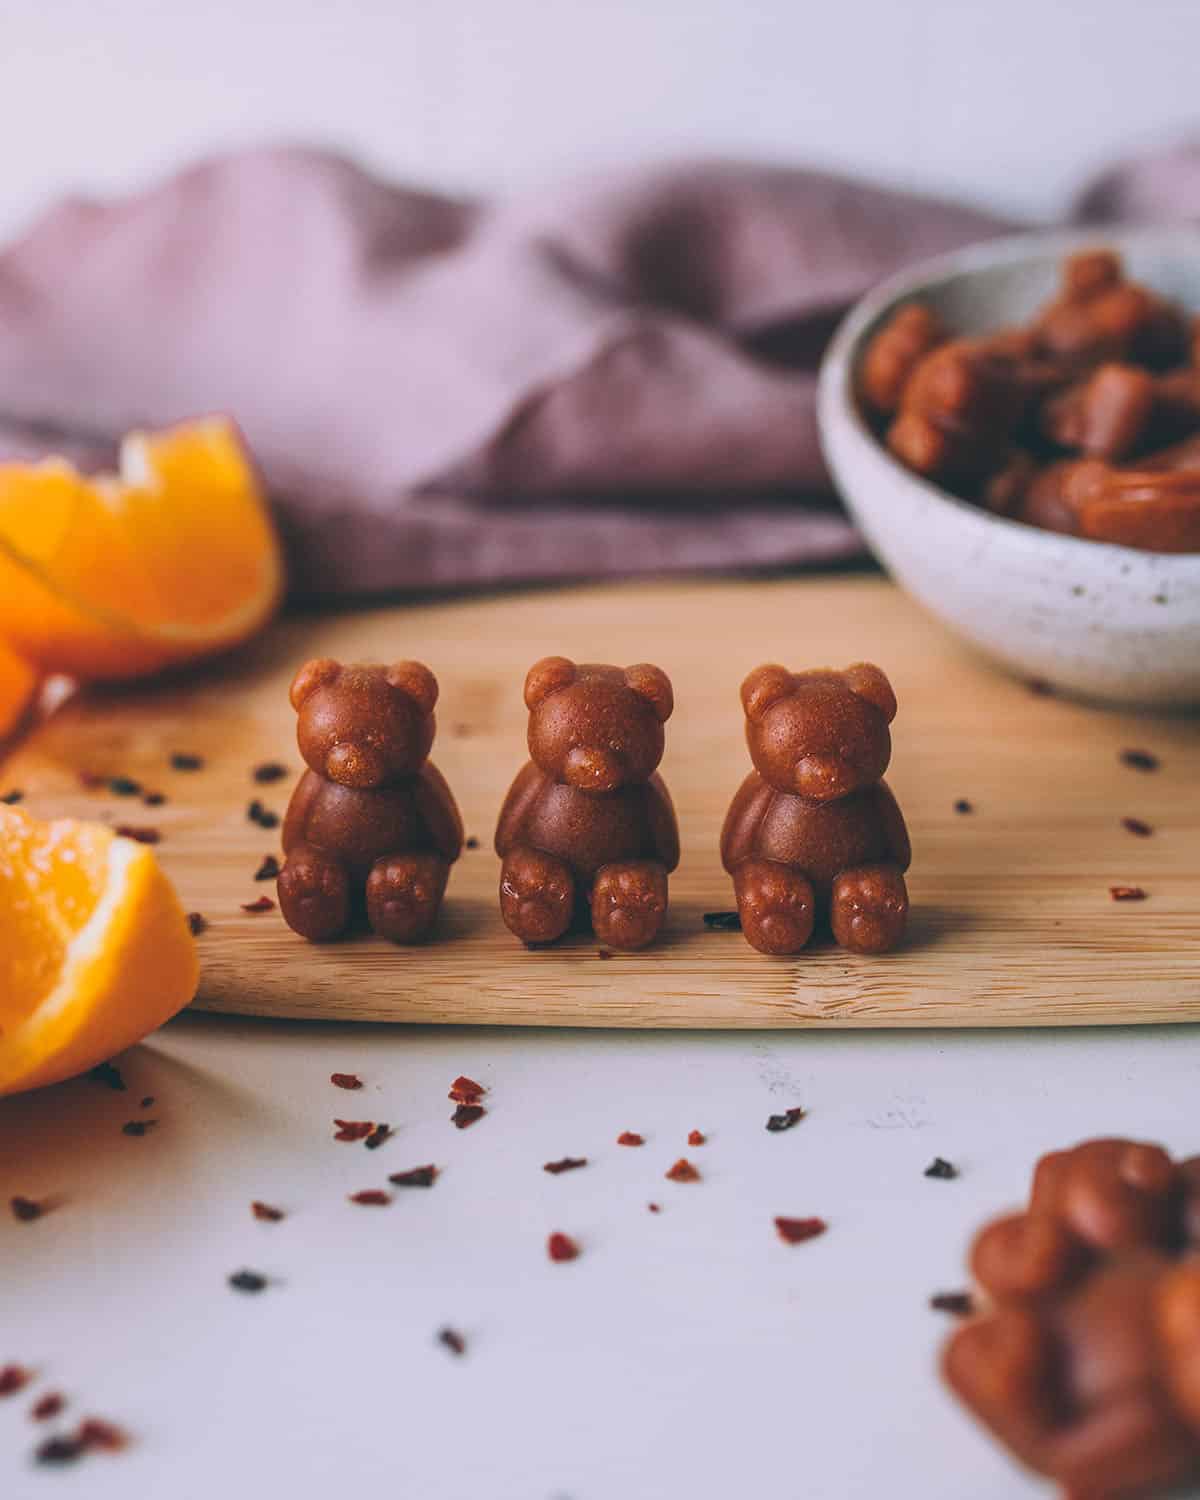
(688, 1353)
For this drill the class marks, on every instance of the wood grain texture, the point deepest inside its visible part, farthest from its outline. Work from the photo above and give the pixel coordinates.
(1012, 919)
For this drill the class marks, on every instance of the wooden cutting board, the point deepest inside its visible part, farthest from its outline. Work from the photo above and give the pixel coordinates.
(1012, 919)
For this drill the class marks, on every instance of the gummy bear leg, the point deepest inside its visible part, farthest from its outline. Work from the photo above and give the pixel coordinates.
(868, 908)
(404, 894)
(629, 902)
(537, 895)
(776, 904)
(314, 894)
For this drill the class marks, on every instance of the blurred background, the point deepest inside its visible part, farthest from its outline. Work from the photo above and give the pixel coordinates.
(1005, 105)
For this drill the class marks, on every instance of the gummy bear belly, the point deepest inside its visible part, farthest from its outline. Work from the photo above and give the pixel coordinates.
(589, 829)
(821, 838)
(361, 826)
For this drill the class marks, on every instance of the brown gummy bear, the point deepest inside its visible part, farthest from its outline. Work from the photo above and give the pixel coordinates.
(1099, 315)
(1155, 506)
(372, 827)
(587, 829)
(814, 834)
(1087, 1362)
(893, 353)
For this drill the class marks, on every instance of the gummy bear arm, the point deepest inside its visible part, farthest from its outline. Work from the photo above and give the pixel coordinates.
(742, 821)
(439, 811)
(522, 794)
(894, 831)
(664, 831)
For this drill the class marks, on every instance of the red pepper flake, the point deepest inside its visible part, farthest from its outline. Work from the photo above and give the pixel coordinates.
(147, 1102)
(58, 1450)
(963, 806)
(153, 799)
(268, 869)
(467, 1114)
(269, 771)
(345, 1080)
(124, 786)
(564, 1164)
(93, 1433)
(786, 1120)
(1140, 760)
(959, 1304)
(630, 1138)
(465, 1090)
(138, 1127)
(10, 799)
(353, 1130)
(48, 1406)
(14, 1378)
(377, 1137)
(561, 1247)
(138, 835)
(1126, 893)
(683, 1171)
(264, 903)
(940, 1167)
(108, 1074)
(182, 761)
(696, 1138)
(91, 780)
(603, 953)
(421, 1177)
(265, 1212)
(796, 1231)
(261, 815)
(655, 1208)
(1137, 827)
(372, 1198)
(25, 1210)
(248, 1281)
(451, 1339)
(472, 842)
(1040, 688)
(723, 921)
(196, 923)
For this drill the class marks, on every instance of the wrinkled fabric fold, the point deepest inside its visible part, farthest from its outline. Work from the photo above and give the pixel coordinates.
(615, 375)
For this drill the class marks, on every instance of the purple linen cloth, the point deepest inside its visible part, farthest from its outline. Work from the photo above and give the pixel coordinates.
(614, 376)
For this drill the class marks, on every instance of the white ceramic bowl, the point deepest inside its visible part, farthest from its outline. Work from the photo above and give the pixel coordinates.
(1097, 620)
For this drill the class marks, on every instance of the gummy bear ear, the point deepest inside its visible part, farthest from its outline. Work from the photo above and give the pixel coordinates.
(653, 684)
(867, 681)
(546, 677)
(312, 675)
(766, 686)
(415, 679)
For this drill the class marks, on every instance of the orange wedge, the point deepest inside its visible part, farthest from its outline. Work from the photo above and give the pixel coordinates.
(18, 683)
(95, 949)
(173, 558)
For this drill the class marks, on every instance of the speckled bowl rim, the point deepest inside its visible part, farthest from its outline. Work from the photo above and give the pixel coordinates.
(836, 398)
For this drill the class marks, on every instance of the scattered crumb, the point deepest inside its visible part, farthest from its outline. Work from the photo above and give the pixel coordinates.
(262, 903)
(796, 1231)
(422, 1177)
(353, 1130)
(25, 1210)
(247, 1281)
(786, 1120)
(138, 1127)
(940, 1167)
(1140, 760)
(465, 1090)
(265, 1212)
(963, 806)
(108, 1074)
(630, 1138)
(451, 1339)
(14, 1378)
(196, 923)
(182, 761)
(138, 835)
(345, 1080)
(269, 771)
(377, 1136)
(957, 1303)
(269, 868)
(47, 1406)
(723, 921)
(564, 1164)
(467, 1114)
(1127, 893)
(696, 1138)
(472, 843)
(1137, 827)
(371, 1198)
(683, 1171)
(561, 1247)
